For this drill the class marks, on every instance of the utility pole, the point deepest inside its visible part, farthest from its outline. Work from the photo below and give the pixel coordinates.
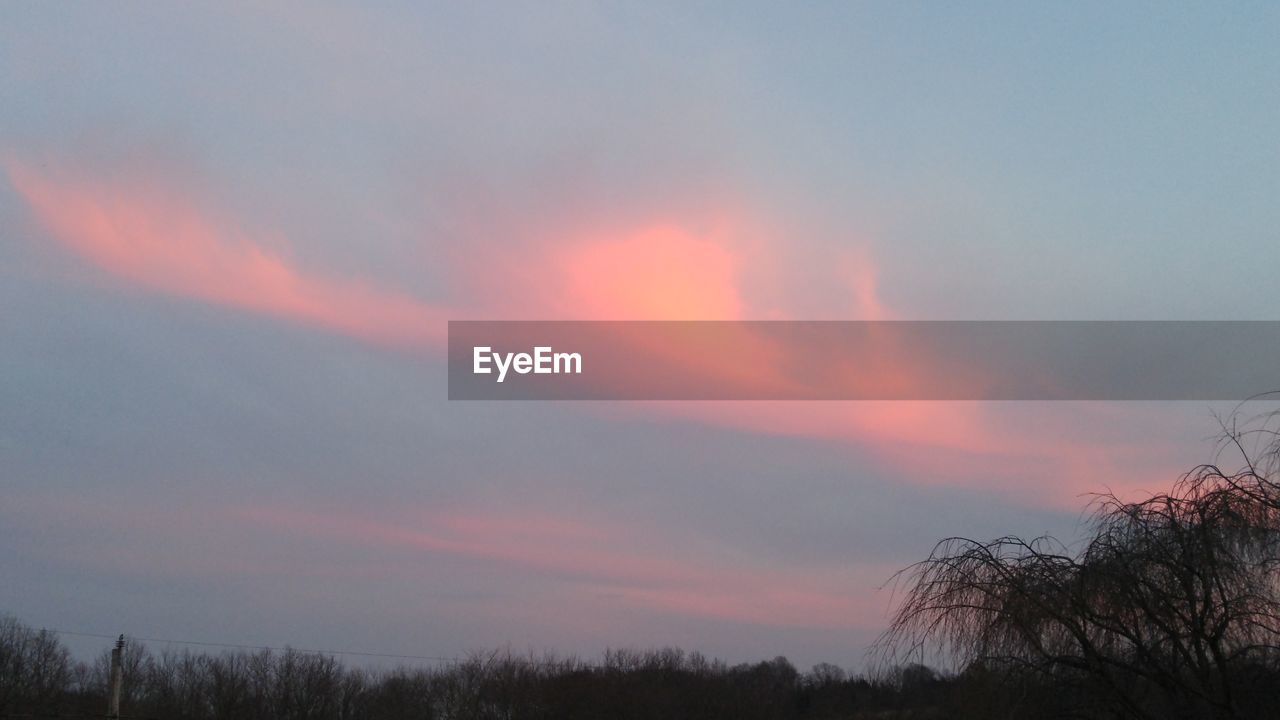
(117, 673)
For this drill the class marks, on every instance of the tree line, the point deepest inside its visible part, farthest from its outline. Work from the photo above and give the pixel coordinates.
(39, 677)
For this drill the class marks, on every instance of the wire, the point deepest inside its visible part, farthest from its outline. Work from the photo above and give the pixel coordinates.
(199, 643)
(237, 646)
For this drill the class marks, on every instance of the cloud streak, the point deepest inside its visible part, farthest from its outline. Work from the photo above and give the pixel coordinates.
(163, 242)
(634, 566)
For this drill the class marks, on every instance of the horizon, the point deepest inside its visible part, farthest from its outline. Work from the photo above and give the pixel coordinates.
(233, 238)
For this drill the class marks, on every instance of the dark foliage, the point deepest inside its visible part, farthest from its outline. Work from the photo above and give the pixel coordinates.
(1169, 609)
(39, 678)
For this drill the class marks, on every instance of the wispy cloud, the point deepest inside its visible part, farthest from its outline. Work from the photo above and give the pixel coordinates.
(153, 236)
(646, 568)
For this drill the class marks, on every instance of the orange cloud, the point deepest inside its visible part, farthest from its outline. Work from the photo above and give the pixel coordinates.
(159, 241)
(149, 235)
(660, 273)
(669, 273)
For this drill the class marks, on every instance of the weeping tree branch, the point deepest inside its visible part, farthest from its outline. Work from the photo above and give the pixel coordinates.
(1168, 607)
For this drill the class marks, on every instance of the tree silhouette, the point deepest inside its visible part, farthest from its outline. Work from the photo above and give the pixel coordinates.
(1171, 608)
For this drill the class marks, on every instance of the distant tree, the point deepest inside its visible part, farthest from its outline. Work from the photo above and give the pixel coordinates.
(34, 667)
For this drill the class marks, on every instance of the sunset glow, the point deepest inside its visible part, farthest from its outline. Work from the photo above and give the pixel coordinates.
(238, 242)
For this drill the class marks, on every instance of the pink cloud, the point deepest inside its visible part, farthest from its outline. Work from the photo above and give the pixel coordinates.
(658, 273)
(160, 241)
(151, 235)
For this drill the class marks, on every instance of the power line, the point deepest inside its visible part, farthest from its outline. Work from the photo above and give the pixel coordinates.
(236, 646)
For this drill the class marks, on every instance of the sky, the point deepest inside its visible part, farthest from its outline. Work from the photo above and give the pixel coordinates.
(231, 237)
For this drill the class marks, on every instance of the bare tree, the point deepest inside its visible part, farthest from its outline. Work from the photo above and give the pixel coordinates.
(1170, 608)
(34, 666)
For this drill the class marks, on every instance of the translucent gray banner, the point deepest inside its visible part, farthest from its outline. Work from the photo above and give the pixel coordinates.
(873, 360)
